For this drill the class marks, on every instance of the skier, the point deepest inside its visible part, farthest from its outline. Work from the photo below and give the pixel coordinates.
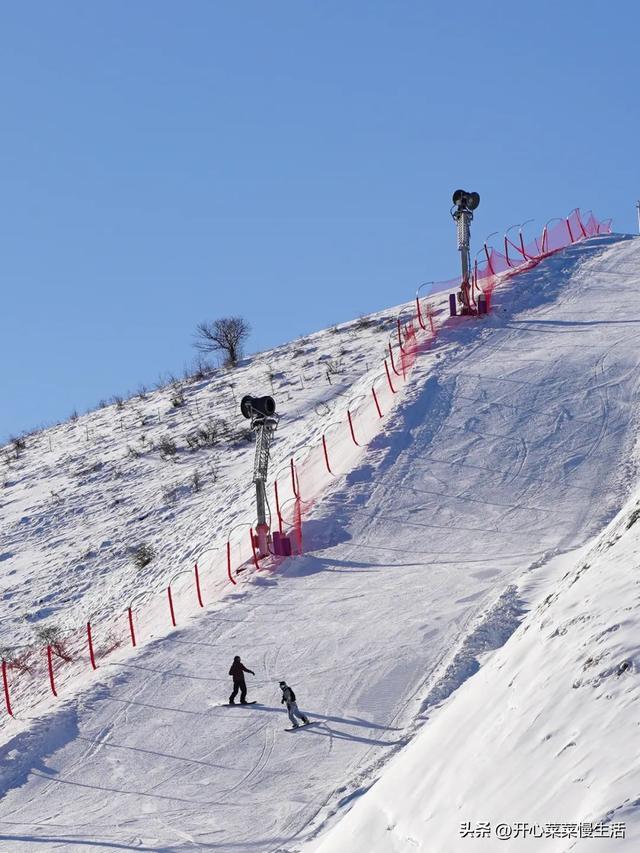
(238, 670)
(289, 697)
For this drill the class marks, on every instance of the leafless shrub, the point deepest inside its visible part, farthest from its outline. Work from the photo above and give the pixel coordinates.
(48, 634)
(119, 402)
(198, 370)
(193, 440)
(51, 635)
(19, 444)
(170, 494)
(177, 396)
(365, 322)
(15, 659)
(167, 446)
(143, 555)
(238, 436)
(207, 435)
(74, 415)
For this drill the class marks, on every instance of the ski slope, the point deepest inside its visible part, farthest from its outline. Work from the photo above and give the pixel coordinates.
(513, 443)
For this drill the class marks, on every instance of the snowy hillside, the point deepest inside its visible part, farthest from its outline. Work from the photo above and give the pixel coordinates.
(539, 746)
(513, 442)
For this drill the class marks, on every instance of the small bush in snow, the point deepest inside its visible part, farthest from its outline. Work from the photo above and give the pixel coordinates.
(365, 323)
(198, 370)
(167, 446)
(239, 436)
(177, 397)
(143, 555)
(170, 494)
(207, 435)
(49, 634)
(18, 444)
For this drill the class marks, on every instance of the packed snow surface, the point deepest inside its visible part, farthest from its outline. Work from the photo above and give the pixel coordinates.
(512, 443)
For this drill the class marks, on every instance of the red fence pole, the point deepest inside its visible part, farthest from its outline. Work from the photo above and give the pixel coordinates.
(5, 682)
(90, 643)
(297, 518)
(173, 615)
(275, 489)
(50, 664)
(253, 548)
(569, 229)
(419, 314)
(353, 435)
(229, 564)
(391, 357)
(490, 265)
(430, 310)
(375, 400)
(293, 479)
(198, 590)
(584, 233)
(506, 250)
(386, 367)
(131, 628)
(326, 455)
(399, 335)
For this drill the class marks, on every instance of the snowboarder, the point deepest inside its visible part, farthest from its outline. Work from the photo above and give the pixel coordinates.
(237, 671)
(289, 697)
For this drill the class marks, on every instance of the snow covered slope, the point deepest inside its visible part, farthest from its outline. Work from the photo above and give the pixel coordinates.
(513, 442)
(541, 745)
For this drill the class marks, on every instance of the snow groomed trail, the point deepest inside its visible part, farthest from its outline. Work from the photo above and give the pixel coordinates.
(513, 442)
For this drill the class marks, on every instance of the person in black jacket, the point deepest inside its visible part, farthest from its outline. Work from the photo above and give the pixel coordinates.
(237, 671)
(289, 697)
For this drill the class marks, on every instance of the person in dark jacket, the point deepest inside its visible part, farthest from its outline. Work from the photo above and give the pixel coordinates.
(237, 671)
(289, 697)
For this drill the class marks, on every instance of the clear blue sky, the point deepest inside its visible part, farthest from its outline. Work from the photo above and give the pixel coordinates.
(292, 162)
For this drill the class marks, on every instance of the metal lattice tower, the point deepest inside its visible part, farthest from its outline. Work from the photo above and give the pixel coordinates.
(264, 429)
(464, 203)
(264, 422)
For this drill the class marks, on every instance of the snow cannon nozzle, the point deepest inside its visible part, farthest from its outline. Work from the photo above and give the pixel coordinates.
(257, 406)
(465, 200)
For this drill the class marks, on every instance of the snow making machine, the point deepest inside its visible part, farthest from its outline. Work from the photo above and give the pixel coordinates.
(464, 203)
(261, 412)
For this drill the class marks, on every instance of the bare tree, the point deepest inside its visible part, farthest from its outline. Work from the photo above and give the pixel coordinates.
(225, 335)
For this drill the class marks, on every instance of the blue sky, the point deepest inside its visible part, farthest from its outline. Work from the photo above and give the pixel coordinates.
(164, 163)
